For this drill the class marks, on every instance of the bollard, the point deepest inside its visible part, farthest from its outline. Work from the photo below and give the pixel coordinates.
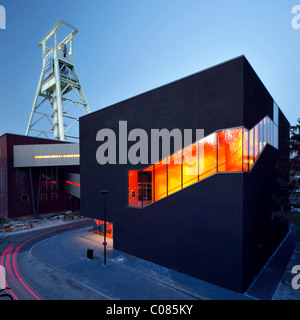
(90, 254)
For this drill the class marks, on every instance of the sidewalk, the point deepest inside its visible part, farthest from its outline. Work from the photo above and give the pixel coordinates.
(125, 277)
(284, 289)
(267, 281)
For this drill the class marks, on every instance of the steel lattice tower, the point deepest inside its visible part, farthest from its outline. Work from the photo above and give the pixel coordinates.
(58, 77)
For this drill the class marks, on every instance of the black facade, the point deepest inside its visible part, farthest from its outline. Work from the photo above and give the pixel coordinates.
(221, 229)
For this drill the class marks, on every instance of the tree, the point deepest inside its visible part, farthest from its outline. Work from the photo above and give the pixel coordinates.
(292, 170)
(294, 165)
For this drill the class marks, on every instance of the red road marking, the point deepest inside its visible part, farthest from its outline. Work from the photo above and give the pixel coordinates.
(20, 246)
(8, 269)
(19, 277)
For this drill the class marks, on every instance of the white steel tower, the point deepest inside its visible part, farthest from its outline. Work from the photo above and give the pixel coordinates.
(58, 78)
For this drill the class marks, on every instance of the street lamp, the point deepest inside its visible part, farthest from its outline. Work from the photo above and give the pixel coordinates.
(104, 193)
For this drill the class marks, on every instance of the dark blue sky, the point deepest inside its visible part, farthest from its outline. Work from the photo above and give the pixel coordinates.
(126, 47)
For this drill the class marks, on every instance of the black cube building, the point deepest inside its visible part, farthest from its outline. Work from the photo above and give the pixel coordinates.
(217, 223)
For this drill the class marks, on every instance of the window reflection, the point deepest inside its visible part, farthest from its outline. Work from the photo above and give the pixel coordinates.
(251, 149)
(245, 150)
(255, 142)
(49, 178)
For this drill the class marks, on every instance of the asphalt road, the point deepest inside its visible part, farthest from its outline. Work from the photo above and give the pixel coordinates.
(30, 279)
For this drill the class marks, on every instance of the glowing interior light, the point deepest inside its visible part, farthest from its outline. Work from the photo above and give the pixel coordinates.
(99, 228)
(73, 183)
(58, 156)
(230, 154)
(230, 150)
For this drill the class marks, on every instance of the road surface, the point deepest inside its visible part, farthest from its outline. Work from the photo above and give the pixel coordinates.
(30, 279)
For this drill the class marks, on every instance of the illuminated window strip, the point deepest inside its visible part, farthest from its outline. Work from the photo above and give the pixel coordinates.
(252, 144)
(73, 183)
(58, 156)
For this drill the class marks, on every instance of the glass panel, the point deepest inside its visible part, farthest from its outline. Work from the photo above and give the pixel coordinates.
(245, 150)
(269, 131)
(260, 136)
(174, 172)
(272, 133)
(251, 148)
(24, 198)
(208, 156)
(148, 190)
(99, 228)
(230, 153)
(190, 165)
(232, 150)
(54, 196)
(133, 189)
(51, 175)
(265, 132)
(275, 137)
(275, 113)
(255, 142)
(48, 178)
(44, 179)
(2, 180)
(160, 178)
(221, 150)
(140, 187)
(54, 178)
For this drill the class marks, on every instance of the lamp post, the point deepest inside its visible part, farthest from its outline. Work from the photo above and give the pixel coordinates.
(104, 193)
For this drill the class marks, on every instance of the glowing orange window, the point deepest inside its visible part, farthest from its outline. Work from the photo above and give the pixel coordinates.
(230, 151)
(148, 189)
(174, 172)
(208, 156)
(190, 165)
(256, 146)
(99, 228)
(160, 178)
(245, 150)
(133, 189)
(251, 149)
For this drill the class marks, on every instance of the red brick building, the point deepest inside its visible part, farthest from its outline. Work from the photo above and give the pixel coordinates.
(36, 184)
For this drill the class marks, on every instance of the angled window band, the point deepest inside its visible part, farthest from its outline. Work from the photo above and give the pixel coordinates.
(229, 150)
